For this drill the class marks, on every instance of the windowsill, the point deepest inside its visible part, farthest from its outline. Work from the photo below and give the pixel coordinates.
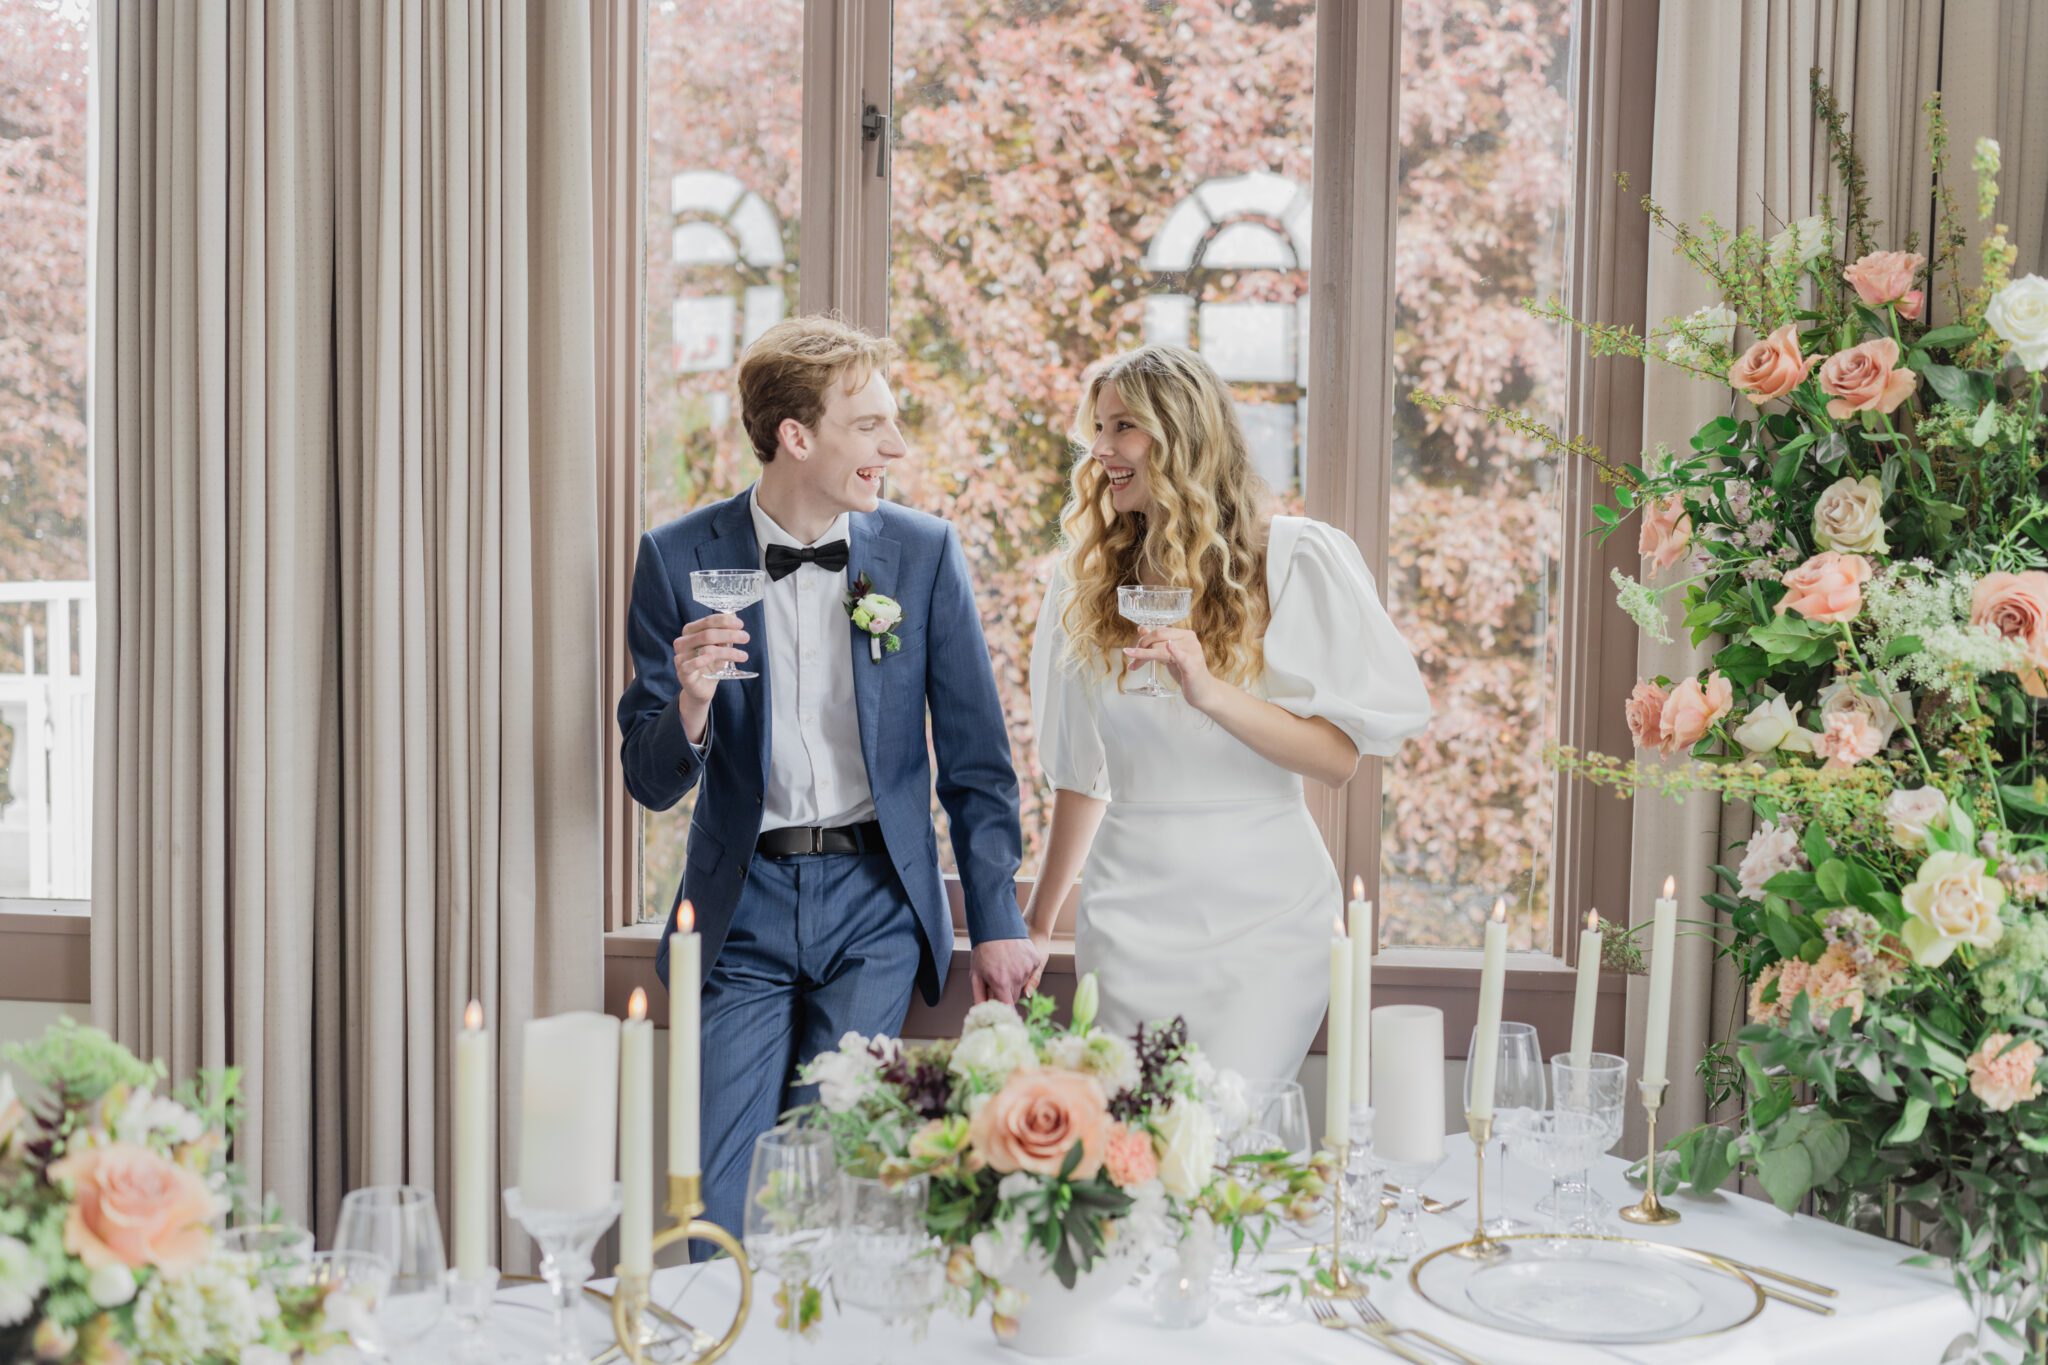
(46, 950)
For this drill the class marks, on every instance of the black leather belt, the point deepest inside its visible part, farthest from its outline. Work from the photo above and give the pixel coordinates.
(798, 841)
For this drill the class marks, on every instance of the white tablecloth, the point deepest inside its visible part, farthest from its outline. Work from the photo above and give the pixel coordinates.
(1887, 1312)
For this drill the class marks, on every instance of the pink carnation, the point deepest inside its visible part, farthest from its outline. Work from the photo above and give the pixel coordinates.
(1833, 983)
(1129, 1158)
(2002, 1075)
(1847, 739)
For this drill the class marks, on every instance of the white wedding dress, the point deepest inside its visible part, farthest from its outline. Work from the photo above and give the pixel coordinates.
(1208, 892)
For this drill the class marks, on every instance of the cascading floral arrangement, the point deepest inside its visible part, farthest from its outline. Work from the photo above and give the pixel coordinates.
(109, 1193)
(1864, 539)
(1053, 1144)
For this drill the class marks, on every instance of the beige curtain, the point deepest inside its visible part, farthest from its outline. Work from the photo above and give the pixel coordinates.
(350, 722)
(1736, 137)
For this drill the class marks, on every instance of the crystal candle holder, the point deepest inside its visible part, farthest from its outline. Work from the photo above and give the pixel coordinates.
(565, 1238)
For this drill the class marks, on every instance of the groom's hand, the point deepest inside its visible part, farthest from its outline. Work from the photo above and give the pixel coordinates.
(1005, 969)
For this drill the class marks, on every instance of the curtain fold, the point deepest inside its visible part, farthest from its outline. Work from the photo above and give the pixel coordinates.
(350, 729)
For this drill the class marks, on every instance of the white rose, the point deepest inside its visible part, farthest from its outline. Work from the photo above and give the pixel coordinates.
(1189, 1160)
(1850, 517)
(21, 1281)
(112, 1285)
(994, 1051)
(1770, 726)
(2018, 316)
(1803, 241)
(1951, 902)
(1910, 814)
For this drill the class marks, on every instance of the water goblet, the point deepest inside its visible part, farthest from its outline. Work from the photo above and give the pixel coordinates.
(1276, 1120)
(792, 1204)
(1557, 1141)
(1153, 609)
(1407, 1173)
(566, 1238)
(1517, 1084)
(1596, 1086)
(278, 1251)
(398, 1223)
(732, 591)
(882, 1258)
(352, 1285)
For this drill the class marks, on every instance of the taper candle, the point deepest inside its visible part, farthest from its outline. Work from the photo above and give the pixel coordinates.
(685, 985)
(1363, 947)
(1586, 996)
(636, 1138)
(473, 1202)
(1657, 1027)
(1337, 1091)
(1485, 1059)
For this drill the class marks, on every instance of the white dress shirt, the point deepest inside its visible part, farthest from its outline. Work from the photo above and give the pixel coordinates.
(816, 774)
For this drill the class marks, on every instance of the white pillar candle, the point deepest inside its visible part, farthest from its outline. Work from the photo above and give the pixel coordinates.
(1657, 1027)
(636, 1138)
(1586, 997)
(1337, 1091)
(473, 1202)
(685, 985)
(1408, 1059)
(1493, 971)
(1363, 946)
(569, 1112)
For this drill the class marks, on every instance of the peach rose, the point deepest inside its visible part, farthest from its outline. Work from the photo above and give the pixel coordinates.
(1828, 587)
(1036, 1118)
(1884, 277)
(131, 1207)
(1866, 378)
(1847, 738)
(2016, 606)
(2002, 1075)
(1128, 1157)
(1772, 367)
(1667, 532)
(1691, 709)
(1646, 715)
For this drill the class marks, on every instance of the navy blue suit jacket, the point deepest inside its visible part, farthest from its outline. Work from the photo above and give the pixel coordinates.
(943, 668)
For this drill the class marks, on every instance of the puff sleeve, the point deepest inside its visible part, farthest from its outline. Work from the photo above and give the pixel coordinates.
(1070, 750)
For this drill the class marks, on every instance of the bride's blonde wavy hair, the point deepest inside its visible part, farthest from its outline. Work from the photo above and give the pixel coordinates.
(1205, 529)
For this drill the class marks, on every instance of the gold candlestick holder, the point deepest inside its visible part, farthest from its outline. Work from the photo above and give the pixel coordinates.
(1650, 1212)
(1481, 1247)
(1341, 1286)
(630, 1301)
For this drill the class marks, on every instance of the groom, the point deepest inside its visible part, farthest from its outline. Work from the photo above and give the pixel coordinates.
(812, 862)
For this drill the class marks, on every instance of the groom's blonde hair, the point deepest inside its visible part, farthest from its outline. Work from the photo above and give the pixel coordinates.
(789, 368)
(1206, 529)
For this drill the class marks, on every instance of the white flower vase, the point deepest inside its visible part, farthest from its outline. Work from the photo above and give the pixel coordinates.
(1054, 1320)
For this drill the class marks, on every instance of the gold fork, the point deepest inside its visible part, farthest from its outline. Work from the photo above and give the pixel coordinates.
(1327, 1316)
(1376, 1323)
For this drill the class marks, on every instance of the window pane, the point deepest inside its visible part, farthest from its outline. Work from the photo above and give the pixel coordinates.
(1072, 180)
(46, 610)
(724, 137)
(1473, 552)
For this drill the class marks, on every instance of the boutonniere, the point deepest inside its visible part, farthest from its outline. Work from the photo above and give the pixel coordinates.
(875, 615)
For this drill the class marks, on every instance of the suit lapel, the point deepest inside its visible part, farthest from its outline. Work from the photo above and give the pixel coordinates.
(733, 546)
(869, 552)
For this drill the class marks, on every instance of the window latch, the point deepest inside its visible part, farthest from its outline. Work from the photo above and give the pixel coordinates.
(874, 127)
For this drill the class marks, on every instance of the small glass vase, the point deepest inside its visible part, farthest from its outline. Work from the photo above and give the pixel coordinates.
(565, 1238)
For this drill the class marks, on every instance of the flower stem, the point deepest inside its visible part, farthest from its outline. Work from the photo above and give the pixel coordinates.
(1905, 722)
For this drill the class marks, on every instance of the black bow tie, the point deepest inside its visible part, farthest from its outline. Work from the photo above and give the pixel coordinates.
(783, 561)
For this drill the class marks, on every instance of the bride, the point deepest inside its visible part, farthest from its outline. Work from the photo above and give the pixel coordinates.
(1206, 890)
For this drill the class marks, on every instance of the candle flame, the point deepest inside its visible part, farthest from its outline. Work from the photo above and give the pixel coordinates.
(636, 1008)
(473, 1017)
(686, 918)
(1670, 885)
(1500, 910)
(1358, 888)
(1337, 925)
(1592, 919)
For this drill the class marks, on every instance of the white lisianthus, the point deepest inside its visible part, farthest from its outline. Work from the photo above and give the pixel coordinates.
(1104, 1056)
(1849, 517)
(146, 1114)
(1190, 1156)
(1772, 726)
(994, 1050)
(1703, 336)
(2018, 316)
(996, 1249)
(112, 1285)
(1909, 814)
(21, 1281)
(1804, 241)
(1953, 901)
(844, 1077)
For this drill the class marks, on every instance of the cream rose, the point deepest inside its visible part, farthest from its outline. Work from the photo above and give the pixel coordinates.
(1189, 1158)
(2018, 316)
(2016, 606)
(1850, 517)
(1772, 367)
(1951, 902)
(1866, 378)
(1803, 240)
(1771, 726)
(1910, 812)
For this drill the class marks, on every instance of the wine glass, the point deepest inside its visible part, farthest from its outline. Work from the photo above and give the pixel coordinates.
(883, 1259)
(1517, 1084)
(1597, 1086)
(1153, 609)
(277, 1251)
(352, 1285)
(398, 1224)
(792, 1203)
(729, 590)
(1276, 1120)
(1558, 1141)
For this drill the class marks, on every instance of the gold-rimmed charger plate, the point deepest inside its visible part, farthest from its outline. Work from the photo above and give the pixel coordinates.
(1591, 1290)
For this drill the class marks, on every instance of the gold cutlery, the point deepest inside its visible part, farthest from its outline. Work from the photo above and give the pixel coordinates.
(1806, 1286)
(1794, 1300)
(1391, 1196)
(1376, 1323)
(1326, 1316)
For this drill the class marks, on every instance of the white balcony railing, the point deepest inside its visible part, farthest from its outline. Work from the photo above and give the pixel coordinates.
(46, 826)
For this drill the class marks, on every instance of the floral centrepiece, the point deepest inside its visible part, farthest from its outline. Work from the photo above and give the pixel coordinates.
(109, 1196)
(1053, 1146)
(1864, 559)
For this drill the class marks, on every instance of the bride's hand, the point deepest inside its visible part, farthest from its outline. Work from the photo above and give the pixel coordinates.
(1179, 651)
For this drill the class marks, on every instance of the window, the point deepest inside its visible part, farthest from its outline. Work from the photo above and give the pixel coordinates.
(46, 607)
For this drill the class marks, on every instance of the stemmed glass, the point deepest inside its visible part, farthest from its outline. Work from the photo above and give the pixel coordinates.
(883, 1259)
(1407, 1175)
(1153, 609)
(352, 1285)
(279, 1252)
(792, 1204)
(1517, 1084)
(397, 1224)
(1276, 1120)
(1598, 1086)
(1558, 1141)
(729, 590)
